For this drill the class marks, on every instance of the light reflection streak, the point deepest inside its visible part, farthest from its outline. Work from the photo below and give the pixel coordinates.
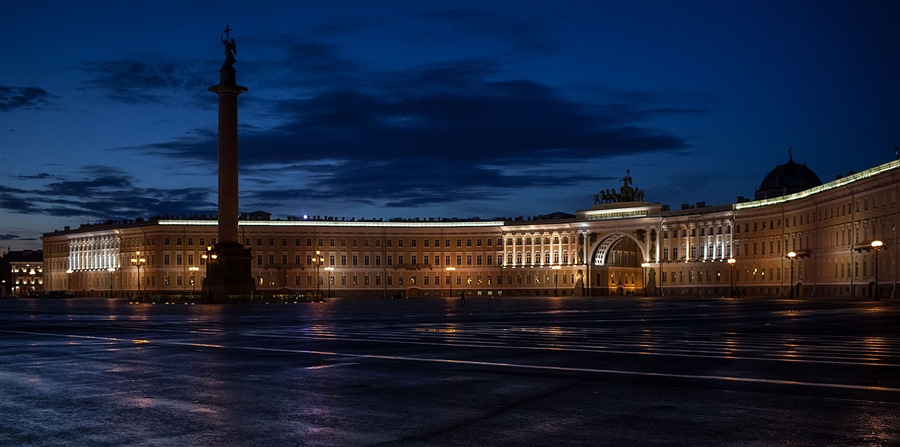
(756, 380)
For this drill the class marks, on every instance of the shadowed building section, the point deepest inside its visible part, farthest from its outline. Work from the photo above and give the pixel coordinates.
(228, 272)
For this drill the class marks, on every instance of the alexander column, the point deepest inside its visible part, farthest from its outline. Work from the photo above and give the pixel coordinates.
(228, 272)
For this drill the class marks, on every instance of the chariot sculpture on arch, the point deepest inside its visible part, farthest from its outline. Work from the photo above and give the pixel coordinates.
(626, 193)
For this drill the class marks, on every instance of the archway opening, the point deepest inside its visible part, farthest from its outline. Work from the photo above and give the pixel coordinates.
(616, 267)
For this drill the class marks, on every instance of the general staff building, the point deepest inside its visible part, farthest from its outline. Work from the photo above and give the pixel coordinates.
(797, 237)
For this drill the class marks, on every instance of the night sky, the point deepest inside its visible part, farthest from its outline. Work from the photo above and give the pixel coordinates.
(432, 109)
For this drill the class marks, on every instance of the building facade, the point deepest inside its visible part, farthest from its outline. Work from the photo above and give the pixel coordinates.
(24, 275)
(621, 245)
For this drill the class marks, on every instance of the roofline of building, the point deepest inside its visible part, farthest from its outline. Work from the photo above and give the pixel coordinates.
(843, 181)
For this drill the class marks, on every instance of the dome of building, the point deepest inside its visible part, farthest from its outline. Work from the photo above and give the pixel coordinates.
(787, 179)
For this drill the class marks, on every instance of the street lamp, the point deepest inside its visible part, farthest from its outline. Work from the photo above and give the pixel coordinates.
(731, 262)
(194, 269)
(318, 260)
(208, 258)
(138, 262)
(644, 267)
(330, 271)
(876, 245)
(112, 276)
(556, 278)
(792, 255)
(450, 270)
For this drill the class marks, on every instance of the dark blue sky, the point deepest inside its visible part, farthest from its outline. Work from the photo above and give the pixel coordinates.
(432, 109)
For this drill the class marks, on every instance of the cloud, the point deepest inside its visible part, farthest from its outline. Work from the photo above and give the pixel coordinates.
(147, 78)
(100, 193)
(442, 128)
(9, 237)
(22, 98)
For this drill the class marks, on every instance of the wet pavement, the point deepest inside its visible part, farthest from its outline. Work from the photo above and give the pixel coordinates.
(432, 372)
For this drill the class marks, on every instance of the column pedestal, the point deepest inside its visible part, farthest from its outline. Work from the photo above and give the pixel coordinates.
(228, 277)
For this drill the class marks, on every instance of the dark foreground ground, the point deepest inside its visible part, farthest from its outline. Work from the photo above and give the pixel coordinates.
(430, 372)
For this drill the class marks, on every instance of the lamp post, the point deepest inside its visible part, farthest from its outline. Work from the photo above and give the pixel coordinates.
(138, 262)
(792, 255)
(644, 267)
(731, 262)
(194, 269)
(318, 260)
(330, 271)
(556, 269)
(876, 245)
(450, 270)
(208, 258)
(112, 276)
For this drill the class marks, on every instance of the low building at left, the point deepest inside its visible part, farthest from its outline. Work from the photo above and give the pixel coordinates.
(24, 273)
